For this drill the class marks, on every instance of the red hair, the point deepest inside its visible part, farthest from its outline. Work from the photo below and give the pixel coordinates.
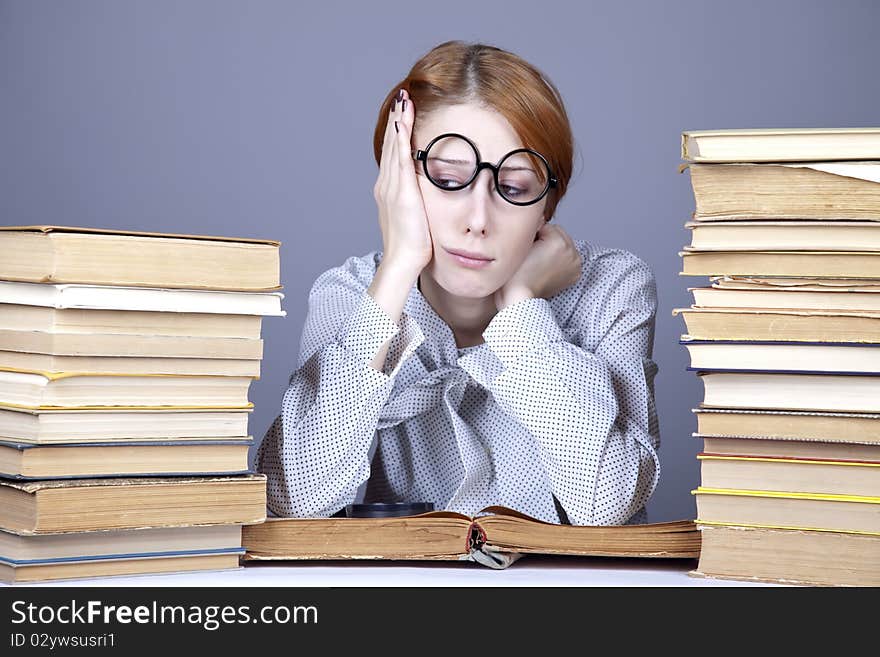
(456, 72)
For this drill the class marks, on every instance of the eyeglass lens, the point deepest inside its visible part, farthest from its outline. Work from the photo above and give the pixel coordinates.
(452, 161)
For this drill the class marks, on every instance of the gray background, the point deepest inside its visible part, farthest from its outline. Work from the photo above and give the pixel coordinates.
(255, 119)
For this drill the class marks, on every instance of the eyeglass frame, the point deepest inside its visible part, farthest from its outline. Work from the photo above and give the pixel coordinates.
(422, 156)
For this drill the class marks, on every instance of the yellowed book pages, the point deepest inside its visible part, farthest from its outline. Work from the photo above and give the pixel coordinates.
(780, 263)
(108, 344)
(790, 424)
(56, 426)
(780, 144)
(29, 362)
(788, 298)
(118, 567)
(158, 459)
(20, 317)
(449, 535)
(780, 324)
(65, 254)
(118, 542)
(789, 556)
(804, 283)
(38, 390)
(788, 448)
(785, 235)
(725, 192)
(56, 506)
(749, 472)
(813, 511)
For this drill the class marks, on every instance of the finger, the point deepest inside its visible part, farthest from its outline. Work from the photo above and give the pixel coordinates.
(404, 136)
(388, 150)
(389, 129)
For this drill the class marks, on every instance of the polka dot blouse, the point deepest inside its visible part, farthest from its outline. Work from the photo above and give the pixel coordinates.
(553, 415)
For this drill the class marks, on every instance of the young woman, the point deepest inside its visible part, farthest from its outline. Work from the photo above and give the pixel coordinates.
(484, 356)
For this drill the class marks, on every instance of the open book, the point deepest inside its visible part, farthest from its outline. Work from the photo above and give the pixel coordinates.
(496, 537)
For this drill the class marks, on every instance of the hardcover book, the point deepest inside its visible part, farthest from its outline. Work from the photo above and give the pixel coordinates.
(846, 264)
(782, 355)
(781, 324)
(40, 557)
(780, 144)
(788, 510)
(789, 425)
(791, 390)
(123, 459)
(802, 298)
(116, 424)
(809, 475)
(787, 448)
(83, 505)
(743, 191)
(39, 390)
(785, 235)
(70, 254)
(811, 558)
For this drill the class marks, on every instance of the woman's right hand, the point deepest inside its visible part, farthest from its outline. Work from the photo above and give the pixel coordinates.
(402, 217)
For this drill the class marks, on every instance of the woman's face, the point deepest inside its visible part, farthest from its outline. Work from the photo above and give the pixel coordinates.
(475, 219)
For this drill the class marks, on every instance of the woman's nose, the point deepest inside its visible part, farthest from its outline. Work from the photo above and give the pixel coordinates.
(482, 198)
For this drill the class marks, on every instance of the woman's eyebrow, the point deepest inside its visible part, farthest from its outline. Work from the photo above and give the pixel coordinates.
(520, 168)
(449, 161)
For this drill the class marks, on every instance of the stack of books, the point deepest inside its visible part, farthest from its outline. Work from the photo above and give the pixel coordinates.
(786, 341)
(125, 364)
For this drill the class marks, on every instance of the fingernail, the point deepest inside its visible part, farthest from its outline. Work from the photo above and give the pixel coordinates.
(396, 129)
(404, 106)
(400, 95)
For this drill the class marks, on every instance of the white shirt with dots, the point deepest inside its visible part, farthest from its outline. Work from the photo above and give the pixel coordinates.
(555, 409)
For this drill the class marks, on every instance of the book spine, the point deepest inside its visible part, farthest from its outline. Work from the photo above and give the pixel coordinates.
(476, 537)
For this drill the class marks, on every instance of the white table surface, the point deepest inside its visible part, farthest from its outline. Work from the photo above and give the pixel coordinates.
(531, 570)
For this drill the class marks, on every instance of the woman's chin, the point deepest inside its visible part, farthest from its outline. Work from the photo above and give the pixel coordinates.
(468, 289)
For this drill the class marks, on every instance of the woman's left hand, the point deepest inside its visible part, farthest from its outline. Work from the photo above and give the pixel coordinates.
(551, 265)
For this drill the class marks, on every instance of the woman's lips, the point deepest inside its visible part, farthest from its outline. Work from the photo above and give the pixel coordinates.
(472, 263)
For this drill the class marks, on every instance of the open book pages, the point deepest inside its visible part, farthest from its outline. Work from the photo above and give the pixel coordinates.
(453, 536)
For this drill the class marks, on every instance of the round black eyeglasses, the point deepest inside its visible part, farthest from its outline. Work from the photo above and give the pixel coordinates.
(452, 162)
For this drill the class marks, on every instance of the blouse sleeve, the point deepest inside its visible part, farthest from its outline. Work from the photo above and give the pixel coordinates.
(315, 453)
(592, 412)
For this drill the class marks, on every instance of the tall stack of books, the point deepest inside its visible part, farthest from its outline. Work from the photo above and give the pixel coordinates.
(786, 341)
(125, 364)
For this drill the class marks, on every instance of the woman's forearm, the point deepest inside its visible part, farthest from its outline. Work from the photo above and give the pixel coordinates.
(390, 289)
